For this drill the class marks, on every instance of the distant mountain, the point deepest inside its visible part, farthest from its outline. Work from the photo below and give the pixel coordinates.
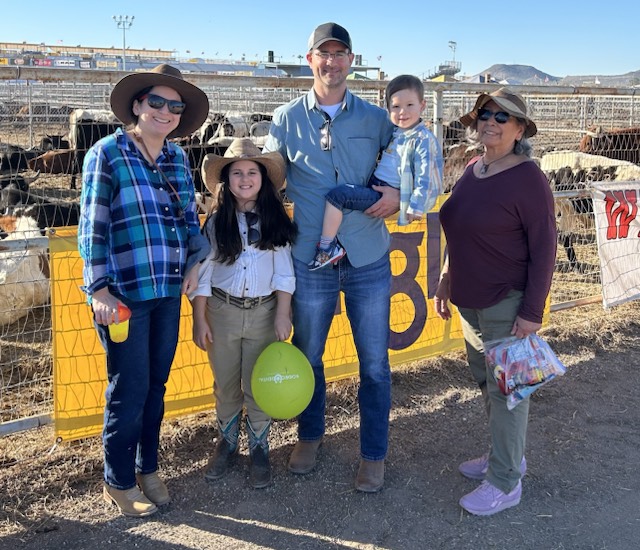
(526, 74)
(612, 81)
(514, 74)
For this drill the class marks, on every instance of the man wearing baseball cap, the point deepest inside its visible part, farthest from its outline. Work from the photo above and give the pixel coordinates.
(330, 137)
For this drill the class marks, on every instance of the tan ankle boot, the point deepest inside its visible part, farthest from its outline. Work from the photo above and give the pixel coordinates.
(303, 457)
(153, 488)
(370, 478)
(131, 502)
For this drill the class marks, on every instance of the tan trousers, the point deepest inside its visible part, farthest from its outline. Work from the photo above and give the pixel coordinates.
(239, 336)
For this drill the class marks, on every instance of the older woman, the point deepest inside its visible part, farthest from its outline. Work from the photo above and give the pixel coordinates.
(501, 243)
(138, 235)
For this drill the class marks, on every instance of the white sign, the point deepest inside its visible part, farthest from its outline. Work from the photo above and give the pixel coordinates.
(615, 205)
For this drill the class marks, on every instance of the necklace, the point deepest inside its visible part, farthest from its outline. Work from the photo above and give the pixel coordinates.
(485, 165)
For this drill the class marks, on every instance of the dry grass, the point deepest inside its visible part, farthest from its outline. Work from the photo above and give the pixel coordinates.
(43, 482)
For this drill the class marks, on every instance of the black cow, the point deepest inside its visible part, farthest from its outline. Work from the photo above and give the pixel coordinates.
(14, 159)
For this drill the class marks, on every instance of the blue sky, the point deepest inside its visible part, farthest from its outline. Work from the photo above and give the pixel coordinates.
(411, 36)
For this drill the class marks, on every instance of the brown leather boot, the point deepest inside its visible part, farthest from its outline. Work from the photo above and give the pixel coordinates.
(370, 478)
(153, 488)
(131, 502)
(303, 457)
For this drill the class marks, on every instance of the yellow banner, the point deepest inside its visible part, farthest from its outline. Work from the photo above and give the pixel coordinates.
(79, 360)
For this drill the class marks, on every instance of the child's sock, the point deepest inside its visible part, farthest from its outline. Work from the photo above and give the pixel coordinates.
(325, 242)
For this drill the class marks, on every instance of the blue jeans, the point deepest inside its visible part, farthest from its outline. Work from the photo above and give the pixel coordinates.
(367, 298)
(137, 371)
(355, 197)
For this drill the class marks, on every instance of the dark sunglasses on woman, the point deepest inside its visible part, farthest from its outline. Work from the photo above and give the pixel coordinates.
(158, 102)
(500, 116)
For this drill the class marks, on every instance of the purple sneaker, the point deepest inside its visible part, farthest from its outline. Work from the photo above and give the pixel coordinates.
(477, 468)
(487, 500)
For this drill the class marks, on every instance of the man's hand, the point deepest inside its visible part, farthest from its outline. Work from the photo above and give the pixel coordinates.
(388, 204)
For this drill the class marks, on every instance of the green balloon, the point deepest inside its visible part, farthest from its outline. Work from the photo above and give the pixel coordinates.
(282, 381)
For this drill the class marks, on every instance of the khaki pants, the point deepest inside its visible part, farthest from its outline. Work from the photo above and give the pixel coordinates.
(508, 428)
(239, 336)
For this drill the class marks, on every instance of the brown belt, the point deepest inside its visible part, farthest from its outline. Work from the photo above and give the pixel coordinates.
(243, 303)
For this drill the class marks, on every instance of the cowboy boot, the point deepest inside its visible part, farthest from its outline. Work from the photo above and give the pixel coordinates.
(260, 469)
(225, 450)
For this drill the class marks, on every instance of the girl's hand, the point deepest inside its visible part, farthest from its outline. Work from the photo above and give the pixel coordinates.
(202, 335)
(414, 217)
(282, 326)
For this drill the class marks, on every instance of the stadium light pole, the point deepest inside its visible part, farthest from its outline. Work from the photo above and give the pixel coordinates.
(124, 22)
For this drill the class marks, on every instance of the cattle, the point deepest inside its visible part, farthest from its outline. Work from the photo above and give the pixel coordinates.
(11, 197)
(64, 161)
(17, 181)
(86, 128)
(24, 275)
(456, 160)
(195, 154)
(14, 159)
(617, 143)
(51, 214)
(51, 142)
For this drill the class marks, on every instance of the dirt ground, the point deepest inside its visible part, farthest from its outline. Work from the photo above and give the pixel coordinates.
(580, 491)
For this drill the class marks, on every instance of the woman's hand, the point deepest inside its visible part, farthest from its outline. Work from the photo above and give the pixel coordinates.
(522, 328)
(190, 282)
(441, 298)
(388, 204)
(105, 307)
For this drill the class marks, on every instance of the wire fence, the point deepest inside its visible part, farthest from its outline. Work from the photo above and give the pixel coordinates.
(39, 105)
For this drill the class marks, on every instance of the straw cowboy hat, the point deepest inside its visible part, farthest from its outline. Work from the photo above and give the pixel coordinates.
(242, 149)
(129, 88)
(508, 101)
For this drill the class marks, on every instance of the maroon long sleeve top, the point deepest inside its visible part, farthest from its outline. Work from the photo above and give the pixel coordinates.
(501, 235)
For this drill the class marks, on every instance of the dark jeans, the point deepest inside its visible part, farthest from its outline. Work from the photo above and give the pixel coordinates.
(137, 371)
(355, 197)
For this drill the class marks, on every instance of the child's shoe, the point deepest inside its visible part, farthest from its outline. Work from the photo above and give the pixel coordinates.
(326, 257)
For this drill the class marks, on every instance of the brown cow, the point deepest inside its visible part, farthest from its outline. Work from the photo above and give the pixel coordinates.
(617, 143)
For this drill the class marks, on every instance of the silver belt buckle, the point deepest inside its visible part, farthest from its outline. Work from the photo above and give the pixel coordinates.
(247, 303)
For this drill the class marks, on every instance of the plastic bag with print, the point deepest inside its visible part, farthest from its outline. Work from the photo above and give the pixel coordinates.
(521, 365)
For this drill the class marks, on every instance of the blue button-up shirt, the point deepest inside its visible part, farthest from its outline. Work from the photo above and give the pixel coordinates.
(359, 131)
(131, 235)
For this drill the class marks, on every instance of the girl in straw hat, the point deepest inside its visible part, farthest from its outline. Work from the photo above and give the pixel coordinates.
(243, 298)
(138, 236)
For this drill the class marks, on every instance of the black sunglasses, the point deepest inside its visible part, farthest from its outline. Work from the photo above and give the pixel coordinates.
(325, 136)
(253, 236)
(158, 102)
(500, 116)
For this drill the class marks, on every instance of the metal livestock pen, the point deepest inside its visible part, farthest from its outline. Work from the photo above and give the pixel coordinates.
(36, 102)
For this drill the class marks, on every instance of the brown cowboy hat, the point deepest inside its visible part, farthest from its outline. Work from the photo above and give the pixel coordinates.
(242, 149)
(508, 101)
(129, 87)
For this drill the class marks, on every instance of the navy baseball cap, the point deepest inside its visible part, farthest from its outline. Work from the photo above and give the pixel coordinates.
(329, 31)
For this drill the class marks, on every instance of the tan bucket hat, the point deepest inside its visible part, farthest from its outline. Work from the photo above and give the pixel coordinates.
(242, 149)
(129, 88)
(508, 101)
